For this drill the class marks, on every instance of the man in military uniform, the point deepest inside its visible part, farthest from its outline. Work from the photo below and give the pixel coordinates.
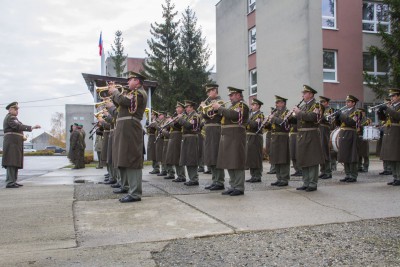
(309, 149)
(391, 139)
(292, 148)
(190, 147)
(81, 147)
(254, 140)
(325, 127)
(98, 146)
(382, 129)
(165, 132)
(363, 145)
(151, 146)
(13, 144)
(267, 127)
(75, 146)
(160, 142)
(280, 155)
(174, 145)
(348, 152)
(129, 134)
(212, 129)
(104, 146)
(232, 146)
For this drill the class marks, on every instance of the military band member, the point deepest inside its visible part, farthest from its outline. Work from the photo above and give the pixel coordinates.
(382, 129)
(363, 145)
(13, 144)
(98, 146)
(174, 145)
(151, 146)
(129, 134)
(309, 149)
(115, 177)
(325, 127)
(168, 167)
(391, 139)
(190, 142)
(232, 146)
(254, 140)
(268, 145)
(106, 135)
(212, 131)
(348, 152)
(280, 155)
(292, 148)
(160, 142)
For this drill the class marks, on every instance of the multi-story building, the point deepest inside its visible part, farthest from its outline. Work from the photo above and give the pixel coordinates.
(274, 47)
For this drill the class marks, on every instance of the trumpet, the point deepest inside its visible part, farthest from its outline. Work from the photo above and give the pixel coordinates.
(371, 109)
(118, 86)
(101, 104)
(209, 109)
(328, 117)
(200, 108)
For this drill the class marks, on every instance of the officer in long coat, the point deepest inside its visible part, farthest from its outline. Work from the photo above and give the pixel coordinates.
(212, 129)
(151, 146)
(232, 146)
(391, 139)
(309, 149)
(254, 140)
(104, 145)
(363, 145)
(168, 167)
(98, 146)
(349, 120)
(280, 155)
(160, 142)
(190, 147)
(174, 145)
(75, 145)
(325, 127)
(129, 134)
(13, 144)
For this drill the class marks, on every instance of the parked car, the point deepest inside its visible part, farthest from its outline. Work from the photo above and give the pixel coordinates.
(29, 150)
(56, 149)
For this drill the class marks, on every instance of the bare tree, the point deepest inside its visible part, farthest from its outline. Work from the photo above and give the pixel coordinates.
(58, 130)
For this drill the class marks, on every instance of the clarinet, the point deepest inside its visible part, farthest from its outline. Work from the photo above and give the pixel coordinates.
(290, 113)
(265, 121)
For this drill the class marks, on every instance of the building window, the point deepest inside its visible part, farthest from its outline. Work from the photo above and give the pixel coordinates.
(252, 40)
(330, 66)
(251, 5)
(329, 14)
(81, 118)
(373, 66)
(253, 81)
(374, 15)
(75, 118)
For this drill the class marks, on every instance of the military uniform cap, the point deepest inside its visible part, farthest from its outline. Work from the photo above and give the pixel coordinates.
(394, 91)
(324, 98)
(279, 98)
(307, 88)
(234, 90)
(154, 112)
(180, 104)
(76, 124)
(136, 75)
(189, 103)
(210, 86)
(12, 105)
(352, 98)
(256, 101)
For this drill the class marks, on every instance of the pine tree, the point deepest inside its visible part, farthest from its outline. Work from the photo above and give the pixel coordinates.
(389, 53)
(118, 58)
(192, 62)
(162, 55)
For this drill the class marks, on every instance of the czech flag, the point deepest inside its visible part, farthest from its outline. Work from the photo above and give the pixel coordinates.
(100, 45)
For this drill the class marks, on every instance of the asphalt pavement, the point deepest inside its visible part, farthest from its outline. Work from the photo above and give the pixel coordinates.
(65, 217)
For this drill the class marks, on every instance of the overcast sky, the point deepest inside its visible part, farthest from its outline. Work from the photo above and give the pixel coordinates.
(46, 45)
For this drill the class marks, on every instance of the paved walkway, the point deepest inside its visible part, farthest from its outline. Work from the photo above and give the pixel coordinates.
(52, 221)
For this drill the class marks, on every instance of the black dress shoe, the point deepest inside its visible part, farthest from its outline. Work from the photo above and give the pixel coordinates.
(18, 184)
(99, 167)
(297, 174)
(327, 176)
(120, 191)
(390, 183)
(106, 175)
(396, 183)
(255, 180)
(128, 198)
(302, 188)
(385, 173)
(351, 180)
(162, 174)
(275, 183)
(310, 189)
(115, 185)
(191, 183)
(209, 186)
(227, 192)
(344, 179)
(281, 184)
(250, 180)
(207, 172)
(179, 180)
(217, 187)
(321, 175)
(12, 186)
(236, 193)
(106, 180)
(169, 177)
(271, 172)
(111, 182)
(154, 172)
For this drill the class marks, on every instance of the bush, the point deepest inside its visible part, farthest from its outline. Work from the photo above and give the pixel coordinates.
(40, 153)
